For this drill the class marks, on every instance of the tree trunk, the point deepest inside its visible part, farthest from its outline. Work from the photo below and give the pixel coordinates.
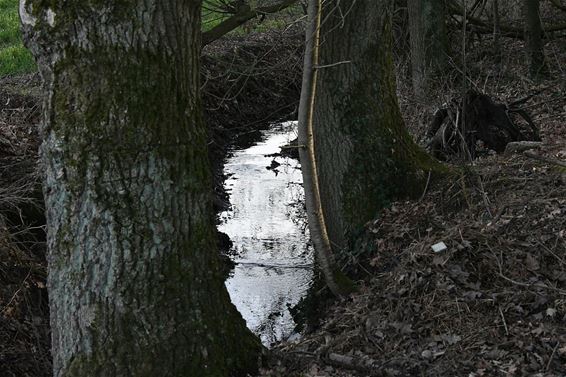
(316, 216)
(496, 33)
(134, 280)
(534, 35)
(429, 41)
(365, 157)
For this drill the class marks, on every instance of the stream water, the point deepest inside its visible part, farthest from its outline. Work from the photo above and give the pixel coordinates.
(267, 225)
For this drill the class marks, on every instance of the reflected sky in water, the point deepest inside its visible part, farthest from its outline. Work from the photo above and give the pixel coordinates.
(274, 262)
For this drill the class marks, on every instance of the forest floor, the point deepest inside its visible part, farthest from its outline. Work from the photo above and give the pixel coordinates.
(492, 303)
(492, 300)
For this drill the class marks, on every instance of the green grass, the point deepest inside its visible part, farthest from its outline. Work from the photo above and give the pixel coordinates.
(212, 15)
(14, 57)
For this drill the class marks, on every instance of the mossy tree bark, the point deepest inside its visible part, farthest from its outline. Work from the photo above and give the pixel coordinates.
(134, 280)
(364, 155)
(311, 182)
(429, 41)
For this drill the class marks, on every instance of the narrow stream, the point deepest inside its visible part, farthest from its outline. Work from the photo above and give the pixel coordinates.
(267, 225)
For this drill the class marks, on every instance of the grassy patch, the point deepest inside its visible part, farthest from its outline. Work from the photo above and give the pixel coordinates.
(213, 13)
(14, 57)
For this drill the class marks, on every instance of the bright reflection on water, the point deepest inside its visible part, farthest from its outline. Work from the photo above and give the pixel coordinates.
(267, 226)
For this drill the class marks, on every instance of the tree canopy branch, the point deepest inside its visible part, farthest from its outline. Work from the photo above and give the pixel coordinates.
(243, 15)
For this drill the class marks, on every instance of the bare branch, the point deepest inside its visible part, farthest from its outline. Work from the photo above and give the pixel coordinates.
(244, 14)
(506, 30)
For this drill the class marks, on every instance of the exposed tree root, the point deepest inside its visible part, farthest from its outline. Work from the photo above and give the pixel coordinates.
(457, 128)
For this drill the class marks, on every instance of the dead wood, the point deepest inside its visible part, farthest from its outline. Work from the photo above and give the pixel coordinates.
(521, 146)
(546, 159)
(465, 128)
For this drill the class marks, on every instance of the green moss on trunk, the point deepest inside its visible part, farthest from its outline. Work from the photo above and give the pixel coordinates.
(366, 157)
(134, 279)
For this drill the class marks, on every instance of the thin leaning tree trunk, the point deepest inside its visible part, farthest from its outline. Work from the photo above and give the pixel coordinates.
(315, 213)
(134, 278)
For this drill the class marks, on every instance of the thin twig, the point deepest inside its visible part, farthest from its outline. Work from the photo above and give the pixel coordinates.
(504, 322)
(332, 65)
(527, 285)
(551, 356)
(16, 293)
(545, 159)
(426, 186)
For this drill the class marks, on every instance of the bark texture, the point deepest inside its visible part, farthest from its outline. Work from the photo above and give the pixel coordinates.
(134, 281)
(534, 34)
(429, 41)
(365, 157)
(496, 32)
(311, 182)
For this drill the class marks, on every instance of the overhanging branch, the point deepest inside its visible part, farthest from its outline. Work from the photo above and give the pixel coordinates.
(243, 15)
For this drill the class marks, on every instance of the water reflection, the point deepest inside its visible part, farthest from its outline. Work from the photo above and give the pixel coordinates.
(267, 227)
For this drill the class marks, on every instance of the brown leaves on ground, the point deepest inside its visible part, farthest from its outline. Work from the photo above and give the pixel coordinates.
(492, 304)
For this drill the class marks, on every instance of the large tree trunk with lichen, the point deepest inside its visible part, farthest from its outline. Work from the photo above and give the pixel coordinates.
(134, 281)
(429, 41)
(365, 157)
(534, 34)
